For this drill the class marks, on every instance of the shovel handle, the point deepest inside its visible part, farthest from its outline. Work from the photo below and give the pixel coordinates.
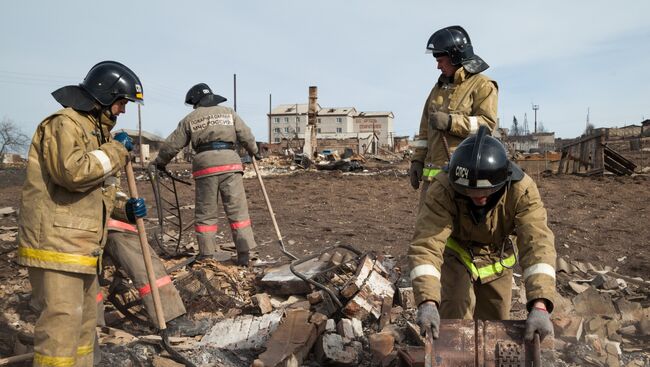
(428, 347)
(146, 254)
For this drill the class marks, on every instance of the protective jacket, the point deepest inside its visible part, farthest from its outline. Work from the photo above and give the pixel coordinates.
(471, 100)
(66, 197)
(446, 219)
(205, 125)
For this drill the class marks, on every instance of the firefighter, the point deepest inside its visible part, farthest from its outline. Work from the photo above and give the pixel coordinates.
(462, 100)
(65, 200)
(214, 132)
(462, 253)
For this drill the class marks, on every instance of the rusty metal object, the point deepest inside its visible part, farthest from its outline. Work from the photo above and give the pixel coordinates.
(479, 344)
(428, 347)
(167, 205)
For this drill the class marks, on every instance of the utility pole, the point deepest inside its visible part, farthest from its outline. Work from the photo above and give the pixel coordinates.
(535, 108)
(234, 82)
(270, 120)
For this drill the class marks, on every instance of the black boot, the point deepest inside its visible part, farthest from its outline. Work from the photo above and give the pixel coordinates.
(243, 258)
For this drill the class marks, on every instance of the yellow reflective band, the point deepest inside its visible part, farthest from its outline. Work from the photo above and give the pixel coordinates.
(430, 172)
(84, 350)
(56, 257)
(41, 360)
(484, 271)
(464, 255)
(497, 267)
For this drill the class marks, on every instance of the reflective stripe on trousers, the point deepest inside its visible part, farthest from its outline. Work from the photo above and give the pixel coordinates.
(484, 271)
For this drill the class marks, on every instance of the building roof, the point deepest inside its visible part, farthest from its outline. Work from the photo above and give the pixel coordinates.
(147, 135)
(375, 114)
(337, 111)
(290, 109)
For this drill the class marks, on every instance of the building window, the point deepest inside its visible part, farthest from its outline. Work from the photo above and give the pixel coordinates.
(339, 120)
(277, 130)
(286, 119)
(286, 129)
(297, 119)
(277, 120)
(318, 130)
(339, 130)
(277, 140)
(297, 129)
(319, 120)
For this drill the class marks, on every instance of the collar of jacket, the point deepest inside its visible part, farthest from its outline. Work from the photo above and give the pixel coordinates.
(459, 76)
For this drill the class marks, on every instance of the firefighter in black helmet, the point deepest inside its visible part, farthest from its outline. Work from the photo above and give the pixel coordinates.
(462, 254)
(462, 100)
(69, 194)
(215, 131)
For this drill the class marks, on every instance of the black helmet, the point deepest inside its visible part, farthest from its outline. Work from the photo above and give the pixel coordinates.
(479, 165)
(202, 95)
(454, 42)
(109, 81)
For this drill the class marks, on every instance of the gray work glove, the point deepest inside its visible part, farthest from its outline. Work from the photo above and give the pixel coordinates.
(428, 316)
(538, 321)
(440, 121)
(415, 173)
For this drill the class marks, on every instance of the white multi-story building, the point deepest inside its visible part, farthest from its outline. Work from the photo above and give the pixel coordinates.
(289, 122)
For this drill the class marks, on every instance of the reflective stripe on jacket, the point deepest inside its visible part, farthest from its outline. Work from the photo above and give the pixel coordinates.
(484, 272)
(471, 101)
(66, 196)
(209, 124)
(445, 215)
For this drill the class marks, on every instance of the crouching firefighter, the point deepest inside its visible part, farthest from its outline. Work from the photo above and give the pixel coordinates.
(124, 250)
(461, 256)
(65, 202)
(214, 132)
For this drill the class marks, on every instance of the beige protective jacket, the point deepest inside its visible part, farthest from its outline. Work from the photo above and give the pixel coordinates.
(205, 125)
(445, 221)
(471, 100)
(65, 199)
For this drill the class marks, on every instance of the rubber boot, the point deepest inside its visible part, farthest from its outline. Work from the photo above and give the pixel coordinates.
(243, 258)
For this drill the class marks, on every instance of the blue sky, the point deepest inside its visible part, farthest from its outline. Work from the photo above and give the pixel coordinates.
(565, 56)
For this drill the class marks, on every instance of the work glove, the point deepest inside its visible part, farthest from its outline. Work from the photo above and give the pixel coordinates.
(135, 208)
(428, 316)
(125, 139)
(440, 121)
(415, 173)
(538, 321)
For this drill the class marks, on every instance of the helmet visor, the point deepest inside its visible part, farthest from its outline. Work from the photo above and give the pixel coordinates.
(483, 188)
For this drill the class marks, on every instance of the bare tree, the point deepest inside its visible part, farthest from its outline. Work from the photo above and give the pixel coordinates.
(11, 138)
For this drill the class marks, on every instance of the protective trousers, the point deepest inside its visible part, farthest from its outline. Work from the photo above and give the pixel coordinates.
(65, 330)
(462, 297)
(125, 251)
(231, 188)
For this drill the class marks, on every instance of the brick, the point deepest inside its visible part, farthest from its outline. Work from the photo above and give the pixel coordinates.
(381, 345)
(591, 302)
(569, 328)
(629, 311)
(406, 298)
(345, 329)
(330, 349)
(263, 302)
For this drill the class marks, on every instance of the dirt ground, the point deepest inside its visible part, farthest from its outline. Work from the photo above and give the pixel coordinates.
(599, 220)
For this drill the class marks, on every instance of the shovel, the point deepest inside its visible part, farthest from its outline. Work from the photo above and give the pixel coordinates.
(268, 205)
(151, 277)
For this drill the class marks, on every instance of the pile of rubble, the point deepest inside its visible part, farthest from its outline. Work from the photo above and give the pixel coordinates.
(342, 307)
